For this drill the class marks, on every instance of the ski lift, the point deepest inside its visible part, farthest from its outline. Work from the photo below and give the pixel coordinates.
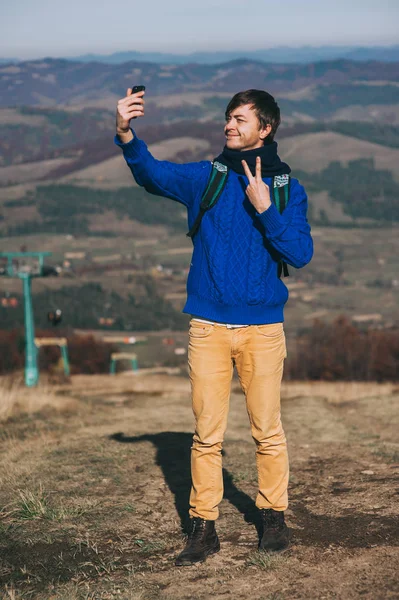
(55, 316)
(26, 266)
(8, 301)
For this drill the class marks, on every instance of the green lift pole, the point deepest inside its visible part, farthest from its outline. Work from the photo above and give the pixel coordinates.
(64, 354)
(31, 368)
(26, 273)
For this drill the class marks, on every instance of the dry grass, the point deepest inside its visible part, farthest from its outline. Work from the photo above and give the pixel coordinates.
(92, 500)
(129, 383)
(267, 560)
(16, 399)
(337, 392)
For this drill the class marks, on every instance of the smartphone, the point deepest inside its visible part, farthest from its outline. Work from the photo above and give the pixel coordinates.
(137, 88)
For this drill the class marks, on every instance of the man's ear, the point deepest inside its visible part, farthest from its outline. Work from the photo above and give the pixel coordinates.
(264, 132)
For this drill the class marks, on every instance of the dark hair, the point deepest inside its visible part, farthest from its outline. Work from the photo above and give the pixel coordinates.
(265, 106)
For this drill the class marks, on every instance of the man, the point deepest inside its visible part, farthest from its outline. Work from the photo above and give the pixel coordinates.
(236, 300)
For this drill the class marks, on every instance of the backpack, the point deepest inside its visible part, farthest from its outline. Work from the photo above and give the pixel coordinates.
(215, 187)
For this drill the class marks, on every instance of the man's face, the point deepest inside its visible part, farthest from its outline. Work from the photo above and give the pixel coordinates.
(243, 131)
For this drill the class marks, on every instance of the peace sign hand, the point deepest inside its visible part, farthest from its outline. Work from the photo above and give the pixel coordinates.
(257, 191)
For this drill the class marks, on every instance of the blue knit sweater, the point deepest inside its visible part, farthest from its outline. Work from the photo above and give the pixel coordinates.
(233, 272)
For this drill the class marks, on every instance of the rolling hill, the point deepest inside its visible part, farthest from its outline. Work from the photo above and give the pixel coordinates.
(51, 82)
(309, 149)
(65, 188)
(43, 143)
(315, 151)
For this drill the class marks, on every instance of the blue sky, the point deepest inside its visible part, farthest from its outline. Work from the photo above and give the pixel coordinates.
(37, 28)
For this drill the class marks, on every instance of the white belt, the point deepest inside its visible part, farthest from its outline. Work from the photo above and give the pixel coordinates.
(228, 325)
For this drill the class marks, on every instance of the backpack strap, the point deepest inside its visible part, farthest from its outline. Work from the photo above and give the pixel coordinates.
(214, 189)
(281, 196)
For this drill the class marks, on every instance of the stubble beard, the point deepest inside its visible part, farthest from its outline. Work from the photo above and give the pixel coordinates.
(234, 143)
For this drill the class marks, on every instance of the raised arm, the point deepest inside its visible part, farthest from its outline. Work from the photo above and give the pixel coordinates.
(180, 182)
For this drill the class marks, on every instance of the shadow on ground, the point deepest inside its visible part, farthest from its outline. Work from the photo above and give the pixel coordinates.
(354, 530)
(173, 457)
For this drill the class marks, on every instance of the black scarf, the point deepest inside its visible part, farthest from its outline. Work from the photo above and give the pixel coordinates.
(271, 163)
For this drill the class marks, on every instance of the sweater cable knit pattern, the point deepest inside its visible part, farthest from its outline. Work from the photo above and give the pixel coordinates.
(233, 272)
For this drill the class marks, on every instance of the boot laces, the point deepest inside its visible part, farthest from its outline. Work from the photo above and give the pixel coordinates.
(197, 528)
(272, 519)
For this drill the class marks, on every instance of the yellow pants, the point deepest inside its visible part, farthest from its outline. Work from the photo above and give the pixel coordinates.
(258, 352)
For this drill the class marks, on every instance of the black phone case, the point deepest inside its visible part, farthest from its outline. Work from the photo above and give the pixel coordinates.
(137, 88)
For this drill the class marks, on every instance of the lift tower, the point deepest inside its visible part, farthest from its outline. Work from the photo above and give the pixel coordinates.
(25, 266)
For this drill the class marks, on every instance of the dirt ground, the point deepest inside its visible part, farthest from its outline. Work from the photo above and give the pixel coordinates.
(94, 493)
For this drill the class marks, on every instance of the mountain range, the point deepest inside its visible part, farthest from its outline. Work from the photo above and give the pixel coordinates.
(281, 54)
(57, 120)
(65, 188)
(56, 81)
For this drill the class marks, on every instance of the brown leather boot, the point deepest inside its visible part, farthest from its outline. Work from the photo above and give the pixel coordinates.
(202, 541)
(276, 536)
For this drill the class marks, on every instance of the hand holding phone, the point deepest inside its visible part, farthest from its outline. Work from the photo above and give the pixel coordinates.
(126, 108)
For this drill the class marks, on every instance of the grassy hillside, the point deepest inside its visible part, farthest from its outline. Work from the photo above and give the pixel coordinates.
(96, 478)
(28, 133)
(353, 272)
(64, 186)
(314, 152)
(62, 144)
(83, 307)
(69, 209)
(365, 193)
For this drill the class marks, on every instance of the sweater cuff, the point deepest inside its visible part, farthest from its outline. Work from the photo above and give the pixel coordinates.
(272, 221)
(132, 148)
